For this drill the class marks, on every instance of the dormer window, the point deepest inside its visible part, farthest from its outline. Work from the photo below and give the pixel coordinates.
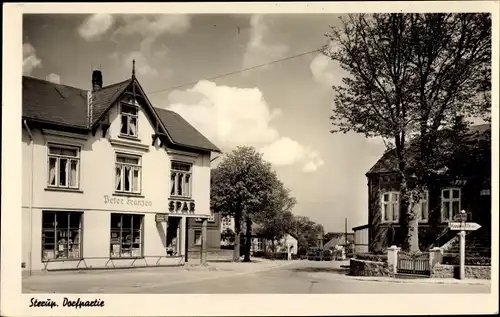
(129, 113)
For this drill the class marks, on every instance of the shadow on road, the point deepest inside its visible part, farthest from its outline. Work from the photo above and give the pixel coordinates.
(321, 269)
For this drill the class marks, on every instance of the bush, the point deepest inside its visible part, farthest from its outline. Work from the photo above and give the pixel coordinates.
(274, 256)
(474, 261)
(371, 257)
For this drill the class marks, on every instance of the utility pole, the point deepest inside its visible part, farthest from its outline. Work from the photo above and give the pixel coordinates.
(346, 232)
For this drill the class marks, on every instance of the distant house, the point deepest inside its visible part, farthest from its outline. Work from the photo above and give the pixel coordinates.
(361, 238)
(280, 246)
(466, 186)
(333, 239)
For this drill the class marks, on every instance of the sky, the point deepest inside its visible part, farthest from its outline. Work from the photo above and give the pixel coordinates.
(282, 109)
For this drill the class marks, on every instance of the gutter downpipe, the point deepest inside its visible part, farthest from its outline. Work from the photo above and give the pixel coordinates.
(31, 195)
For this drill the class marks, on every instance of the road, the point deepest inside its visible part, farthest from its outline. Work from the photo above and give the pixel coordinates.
(298, 277)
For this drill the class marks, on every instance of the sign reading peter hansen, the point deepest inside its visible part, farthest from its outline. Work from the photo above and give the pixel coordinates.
(130, 201)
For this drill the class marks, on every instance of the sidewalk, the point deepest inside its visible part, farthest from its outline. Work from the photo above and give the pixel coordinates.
(419, 280)
(128, 280)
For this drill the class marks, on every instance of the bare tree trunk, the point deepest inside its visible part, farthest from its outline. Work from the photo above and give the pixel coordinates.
(237, 230)
(248, 242)
(410, 220)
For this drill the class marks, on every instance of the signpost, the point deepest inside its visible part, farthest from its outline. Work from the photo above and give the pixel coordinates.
(460, 224)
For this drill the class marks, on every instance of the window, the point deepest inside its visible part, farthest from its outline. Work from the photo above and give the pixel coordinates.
(129, 113)
(180, 179)
(61, 235)
(128, 173)
(422, 207)
(259, 244)
(226, 223)
(64, 166)
(126, 236)
(197, 237)
(450, 203)
(390, 207)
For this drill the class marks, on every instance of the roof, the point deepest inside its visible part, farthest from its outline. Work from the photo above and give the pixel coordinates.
(361, 227)
(103, 98)
(182, 132)
(66, 106)
(388, 162)
(54, 103)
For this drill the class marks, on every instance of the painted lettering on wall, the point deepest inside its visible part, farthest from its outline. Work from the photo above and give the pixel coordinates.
(127, 201)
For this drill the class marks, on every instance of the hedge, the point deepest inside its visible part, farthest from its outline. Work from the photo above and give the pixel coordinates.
(473, 261)
(371, 257)
(274, 256)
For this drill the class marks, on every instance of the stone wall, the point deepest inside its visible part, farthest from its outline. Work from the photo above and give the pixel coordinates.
(370, 268)
(452, 271)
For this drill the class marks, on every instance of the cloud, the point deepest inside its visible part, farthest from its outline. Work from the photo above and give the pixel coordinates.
(323, 70)
(152, 25)
(53, 78)
(95, 25)
(142, 67)
(231, 116)
(285, 151)
(258, 50)
(149, 28)
(30, 60)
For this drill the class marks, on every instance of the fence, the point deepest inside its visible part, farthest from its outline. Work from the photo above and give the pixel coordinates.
(418, 264)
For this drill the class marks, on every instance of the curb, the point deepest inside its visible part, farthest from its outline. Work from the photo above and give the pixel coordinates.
(422, 281)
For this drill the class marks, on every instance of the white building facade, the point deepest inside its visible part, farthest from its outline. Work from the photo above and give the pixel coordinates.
(109, 185)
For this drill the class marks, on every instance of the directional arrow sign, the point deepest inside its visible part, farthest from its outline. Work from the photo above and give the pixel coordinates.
(464, 226)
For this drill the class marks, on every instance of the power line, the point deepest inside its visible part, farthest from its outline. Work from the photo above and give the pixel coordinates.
(235, 72)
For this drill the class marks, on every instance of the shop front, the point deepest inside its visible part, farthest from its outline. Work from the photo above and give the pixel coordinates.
(116, 191)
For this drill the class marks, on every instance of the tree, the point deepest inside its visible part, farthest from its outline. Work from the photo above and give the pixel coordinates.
(409, 76)
(276, 219)
(242, 187)
(307, 232)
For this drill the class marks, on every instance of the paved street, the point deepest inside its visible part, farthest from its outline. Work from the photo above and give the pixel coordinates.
(297, 277)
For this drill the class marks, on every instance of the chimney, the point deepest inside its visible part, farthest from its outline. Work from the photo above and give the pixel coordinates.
(96, 80)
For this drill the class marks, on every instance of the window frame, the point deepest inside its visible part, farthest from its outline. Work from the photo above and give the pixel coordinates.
(135, 105)
(122, 173)
(176, 180)
(450, 201)
(260, 244)
(120, 237)
(55, 231)
(69, 159)
(390, 203)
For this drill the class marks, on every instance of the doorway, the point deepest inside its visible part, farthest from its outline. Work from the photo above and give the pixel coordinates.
(173, 241)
